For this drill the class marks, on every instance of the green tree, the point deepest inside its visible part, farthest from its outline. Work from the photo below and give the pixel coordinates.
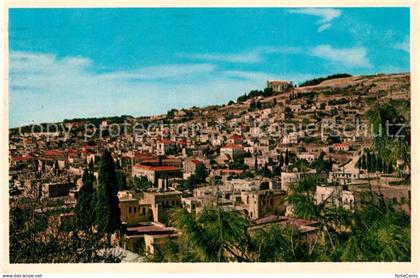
(85, 207)
(379, 164)
(286, 158)
(390, 168)
(107, 209)
(200, 173)
(214, 235)
(330, 216)
(281, 161)
(34, 239)
(363, 162)
(121, 180)
(91, 165)
(368, 161)
(391, 129)
(141, 183)
(378, 232)
(266, 172)
(321, 165)
(256, 162)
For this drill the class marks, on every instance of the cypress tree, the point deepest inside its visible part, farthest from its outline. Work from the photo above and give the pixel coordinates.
(256, 162)
(107, 209)
(91, 164)
(379, 164)
(281, 160)
(368, 161)
(56, 168)
(121, 180)
(266, 172)
(200, 173)
(372, 163)
(85, 201)
(363, 162)
(390, 168)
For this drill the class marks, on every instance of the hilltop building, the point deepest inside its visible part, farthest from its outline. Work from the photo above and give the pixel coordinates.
(279, 86)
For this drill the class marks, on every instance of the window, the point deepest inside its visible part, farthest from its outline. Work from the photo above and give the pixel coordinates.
(271, 202)
(144, 211)
(129, 210)
(135, 210)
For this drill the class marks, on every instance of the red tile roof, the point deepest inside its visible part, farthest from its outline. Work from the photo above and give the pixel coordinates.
(233, 146)
(24, 157)
(340, 145)
(53, 153)
(182, 142)
(156, 168)
(167, 141)
(143, 156)
(196, 161)
(236, 137)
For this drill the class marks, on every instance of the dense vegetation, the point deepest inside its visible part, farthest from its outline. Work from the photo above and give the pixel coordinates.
(38, 236)
(319, 80)
(377, 231)
(267, 92)
(97, 121)
(32, 240)
(390, 128)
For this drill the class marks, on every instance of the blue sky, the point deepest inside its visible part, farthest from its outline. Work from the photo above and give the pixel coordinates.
(67, 63)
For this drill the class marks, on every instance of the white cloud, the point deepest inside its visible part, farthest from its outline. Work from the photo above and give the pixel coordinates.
(252, 56)
(161, 72)
(245, 57)
(44, 88)
(355, 57)
(323, 27)
(250, 75)
(326, 15)
(404, 45)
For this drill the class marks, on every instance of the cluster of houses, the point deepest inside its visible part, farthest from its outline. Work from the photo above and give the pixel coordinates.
(240, 159)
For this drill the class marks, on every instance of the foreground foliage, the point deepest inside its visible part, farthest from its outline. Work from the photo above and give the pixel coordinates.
(34, 240)
(375, 232)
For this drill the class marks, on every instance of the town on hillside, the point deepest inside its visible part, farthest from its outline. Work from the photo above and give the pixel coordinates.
(228, 182)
